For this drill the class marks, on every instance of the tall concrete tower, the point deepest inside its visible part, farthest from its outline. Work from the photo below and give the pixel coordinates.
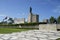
(32, 17)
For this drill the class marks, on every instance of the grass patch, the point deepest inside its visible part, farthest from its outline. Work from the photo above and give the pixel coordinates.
(10, 30)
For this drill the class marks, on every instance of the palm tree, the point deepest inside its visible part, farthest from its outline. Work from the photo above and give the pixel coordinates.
(58, 20)
(52, 19)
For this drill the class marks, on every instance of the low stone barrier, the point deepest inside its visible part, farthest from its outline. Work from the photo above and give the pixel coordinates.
(48, 27)
(58, 26)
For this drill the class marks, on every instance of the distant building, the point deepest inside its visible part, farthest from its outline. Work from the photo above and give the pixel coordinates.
(45, 20)
(33, 17)
(19, 20)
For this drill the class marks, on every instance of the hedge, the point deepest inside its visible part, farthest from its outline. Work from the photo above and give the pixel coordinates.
(28, 24)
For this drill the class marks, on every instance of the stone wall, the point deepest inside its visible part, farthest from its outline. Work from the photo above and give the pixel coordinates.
(49, 27)
(58, 26)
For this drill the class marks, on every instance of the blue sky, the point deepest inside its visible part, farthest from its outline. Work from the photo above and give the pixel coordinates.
(20, 8)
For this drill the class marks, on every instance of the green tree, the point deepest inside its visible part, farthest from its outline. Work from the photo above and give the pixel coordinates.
(58, 20)
(58, 39)
(52, 19)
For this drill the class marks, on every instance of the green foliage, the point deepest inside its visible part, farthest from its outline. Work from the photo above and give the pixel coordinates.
(58, 39)
(32, 24)
(4, 22)
(52, 19)
(58, 20)
(9, 24)
(27, 24)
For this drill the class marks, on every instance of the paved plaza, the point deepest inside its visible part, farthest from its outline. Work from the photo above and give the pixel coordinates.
(31, 35)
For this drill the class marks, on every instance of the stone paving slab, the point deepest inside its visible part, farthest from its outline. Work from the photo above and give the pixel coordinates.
(31, 35)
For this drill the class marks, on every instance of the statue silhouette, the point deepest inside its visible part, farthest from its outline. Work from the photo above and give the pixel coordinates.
(30, 10)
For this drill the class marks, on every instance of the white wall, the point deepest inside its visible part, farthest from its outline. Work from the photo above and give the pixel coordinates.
(48, 27)
(19, 20)
(58, 26)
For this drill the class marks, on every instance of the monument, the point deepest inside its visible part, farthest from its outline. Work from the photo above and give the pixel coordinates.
(32, 17)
